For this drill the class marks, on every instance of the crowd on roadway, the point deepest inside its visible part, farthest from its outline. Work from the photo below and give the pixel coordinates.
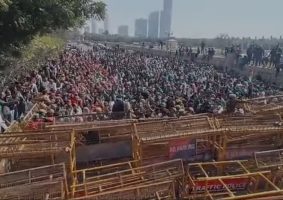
(119, 83)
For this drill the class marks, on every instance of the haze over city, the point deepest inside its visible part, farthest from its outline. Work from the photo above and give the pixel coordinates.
(204, 18)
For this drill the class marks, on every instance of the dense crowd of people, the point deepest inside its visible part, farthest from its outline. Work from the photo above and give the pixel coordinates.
(118, 83)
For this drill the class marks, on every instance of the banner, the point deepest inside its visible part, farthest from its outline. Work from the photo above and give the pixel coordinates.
(236, 184)
(182, 148)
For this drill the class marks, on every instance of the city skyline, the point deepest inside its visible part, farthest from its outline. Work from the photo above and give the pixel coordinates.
(205, 18)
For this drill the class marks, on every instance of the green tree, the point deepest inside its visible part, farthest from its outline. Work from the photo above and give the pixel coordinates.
(22, 20)
(4, 5)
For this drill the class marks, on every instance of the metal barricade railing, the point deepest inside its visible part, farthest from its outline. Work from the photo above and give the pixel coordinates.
(28, 117)
(14, 127)
(90, 117)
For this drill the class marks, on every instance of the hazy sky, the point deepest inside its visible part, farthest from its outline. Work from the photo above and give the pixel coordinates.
(205, 18)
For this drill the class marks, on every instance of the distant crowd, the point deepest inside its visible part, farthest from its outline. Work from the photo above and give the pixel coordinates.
(117, 83)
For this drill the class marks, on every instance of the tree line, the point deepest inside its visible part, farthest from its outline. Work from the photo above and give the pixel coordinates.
(22, 20)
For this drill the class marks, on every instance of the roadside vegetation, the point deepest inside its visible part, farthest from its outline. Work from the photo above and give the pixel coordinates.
(28, 29)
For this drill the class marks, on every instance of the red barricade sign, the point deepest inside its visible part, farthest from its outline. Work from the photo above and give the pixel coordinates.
(236, 184)
(182, 148)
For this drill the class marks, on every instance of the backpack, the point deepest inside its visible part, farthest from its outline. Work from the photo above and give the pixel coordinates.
(118, 106)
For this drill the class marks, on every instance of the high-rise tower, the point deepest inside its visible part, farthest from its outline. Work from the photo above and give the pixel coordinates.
(141, 28)
(166, 18)
(153, 25)
(93, 26)
(106, 23)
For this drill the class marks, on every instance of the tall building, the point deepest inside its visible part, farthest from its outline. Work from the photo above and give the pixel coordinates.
(162, 31)
(153, 25)
(123, 30)
(141, 28)
(86, 29)
(166, 18)
(168, 5)
(100, 31)
(93, 26)
(106, 23)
